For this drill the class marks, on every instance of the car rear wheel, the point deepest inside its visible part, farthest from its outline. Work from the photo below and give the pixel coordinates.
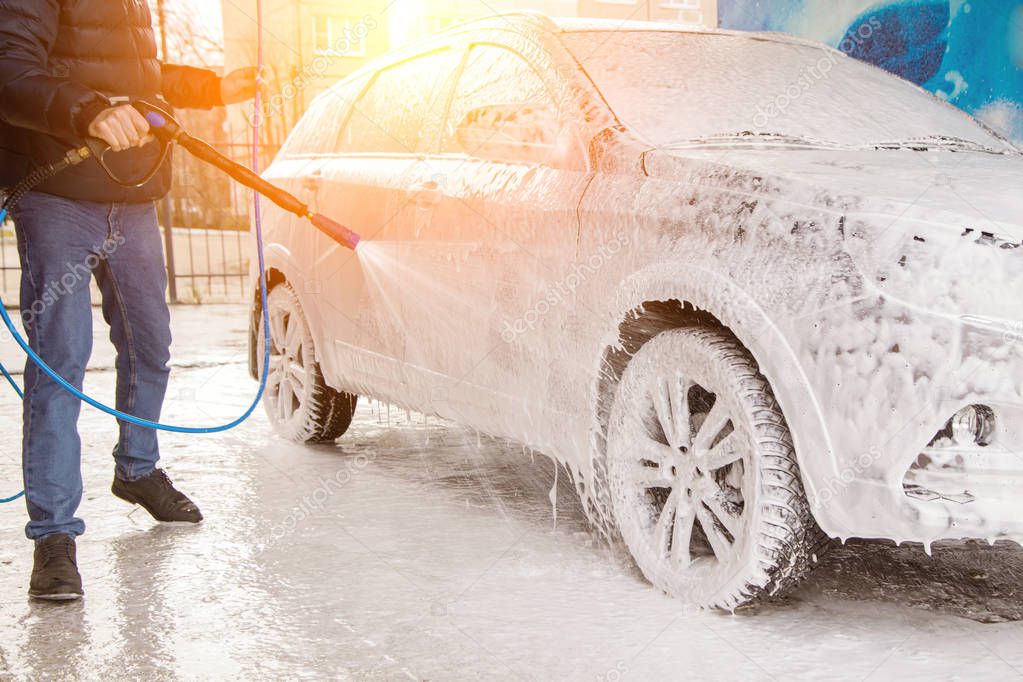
(298, 401)
(702, 474)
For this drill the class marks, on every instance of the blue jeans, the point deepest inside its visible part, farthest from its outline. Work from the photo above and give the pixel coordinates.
(63, 244)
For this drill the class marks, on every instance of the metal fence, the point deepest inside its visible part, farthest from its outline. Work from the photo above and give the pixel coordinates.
(212, 246)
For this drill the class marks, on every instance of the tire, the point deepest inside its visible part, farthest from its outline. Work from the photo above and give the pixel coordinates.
(702, 475)
(301, 406)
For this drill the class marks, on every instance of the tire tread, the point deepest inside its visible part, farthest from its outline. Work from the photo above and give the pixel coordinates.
(788, 540)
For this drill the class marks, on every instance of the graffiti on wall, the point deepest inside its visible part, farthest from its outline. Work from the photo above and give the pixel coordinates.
(969, 52)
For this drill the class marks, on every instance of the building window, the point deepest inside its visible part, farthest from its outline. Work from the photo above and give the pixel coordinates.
(339, 36)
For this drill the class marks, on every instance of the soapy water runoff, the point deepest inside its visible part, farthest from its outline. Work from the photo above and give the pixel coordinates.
(415, 549)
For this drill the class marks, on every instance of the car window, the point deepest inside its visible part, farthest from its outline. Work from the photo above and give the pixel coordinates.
(318, 129)
(390, 116)
(340, 100)
(502, 110)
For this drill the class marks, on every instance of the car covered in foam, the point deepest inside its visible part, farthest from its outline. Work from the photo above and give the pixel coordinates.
(751, 292)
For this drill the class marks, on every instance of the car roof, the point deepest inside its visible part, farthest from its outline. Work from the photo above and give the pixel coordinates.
(542, 22)
(525, 20)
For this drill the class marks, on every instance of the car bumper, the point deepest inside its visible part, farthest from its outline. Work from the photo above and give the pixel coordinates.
(889, 379)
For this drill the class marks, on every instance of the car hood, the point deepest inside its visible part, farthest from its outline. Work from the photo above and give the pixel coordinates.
(937, 230)
(956, 189)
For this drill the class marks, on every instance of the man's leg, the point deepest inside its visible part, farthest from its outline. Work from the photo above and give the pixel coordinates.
(133, 281)
(56, 241)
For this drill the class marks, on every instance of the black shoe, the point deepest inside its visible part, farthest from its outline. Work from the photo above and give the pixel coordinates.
(55, 571)
(159, 497)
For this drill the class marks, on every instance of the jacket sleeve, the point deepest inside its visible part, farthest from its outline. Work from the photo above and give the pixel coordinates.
(29, 96)
(188, 87)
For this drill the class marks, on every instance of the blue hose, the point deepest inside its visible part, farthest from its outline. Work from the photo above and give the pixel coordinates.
(34, 357)
(14, 385)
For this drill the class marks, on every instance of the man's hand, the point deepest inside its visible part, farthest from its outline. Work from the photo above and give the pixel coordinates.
(121, 127)
(239, 85)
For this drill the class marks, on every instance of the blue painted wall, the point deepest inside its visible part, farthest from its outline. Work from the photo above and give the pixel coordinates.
(969, 52)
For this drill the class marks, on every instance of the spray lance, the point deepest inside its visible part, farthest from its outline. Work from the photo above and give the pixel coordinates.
(167, 132)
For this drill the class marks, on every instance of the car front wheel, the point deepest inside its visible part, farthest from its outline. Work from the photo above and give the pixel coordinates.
(702, 473)
(298, 401)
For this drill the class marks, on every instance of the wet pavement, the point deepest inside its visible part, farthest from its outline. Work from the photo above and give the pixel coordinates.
(414, 549)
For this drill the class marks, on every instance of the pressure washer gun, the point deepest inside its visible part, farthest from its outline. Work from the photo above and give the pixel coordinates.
(168, 131)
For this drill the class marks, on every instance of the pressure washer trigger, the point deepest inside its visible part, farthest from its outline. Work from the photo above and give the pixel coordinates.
(97, 147)
(163, 125)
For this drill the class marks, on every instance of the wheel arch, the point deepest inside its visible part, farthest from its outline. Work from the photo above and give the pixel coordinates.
(273, 278)
(279, 268)
(661, 298)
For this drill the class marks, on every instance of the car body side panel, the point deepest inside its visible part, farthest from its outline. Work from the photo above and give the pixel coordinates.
(358, 297)
(502, 236)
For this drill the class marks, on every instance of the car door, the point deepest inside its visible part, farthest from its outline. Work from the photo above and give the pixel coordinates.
(364, 184)
(492, 241)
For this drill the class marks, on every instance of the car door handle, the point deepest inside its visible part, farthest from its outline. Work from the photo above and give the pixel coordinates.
(426, 194)
(311, 183)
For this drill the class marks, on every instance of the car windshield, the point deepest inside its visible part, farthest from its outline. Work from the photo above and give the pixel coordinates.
(675, 87)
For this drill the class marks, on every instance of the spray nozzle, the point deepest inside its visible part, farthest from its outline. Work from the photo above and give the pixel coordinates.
(335, 230)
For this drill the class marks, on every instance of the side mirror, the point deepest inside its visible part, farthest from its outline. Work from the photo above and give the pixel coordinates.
(510, 132)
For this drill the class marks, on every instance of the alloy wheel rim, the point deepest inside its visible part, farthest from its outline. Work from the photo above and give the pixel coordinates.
(684, 475)
(287, 379)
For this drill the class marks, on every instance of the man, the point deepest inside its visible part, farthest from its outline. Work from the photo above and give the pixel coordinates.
(64, 65)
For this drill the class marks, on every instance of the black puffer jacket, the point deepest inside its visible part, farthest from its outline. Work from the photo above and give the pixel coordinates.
(60, 62)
